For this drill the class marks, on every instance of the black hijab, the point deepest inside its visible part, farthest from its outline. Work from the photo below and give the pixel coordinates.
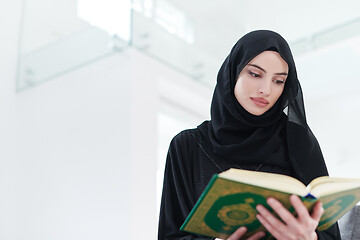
(279, 136)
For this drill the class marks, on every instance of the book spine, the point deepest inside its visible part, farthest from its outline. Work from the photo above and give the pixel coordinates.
(310, 196)
(212, 180)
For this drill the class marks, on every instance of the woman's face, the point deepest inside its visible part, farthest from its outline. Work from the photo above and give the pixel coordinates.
(261, 82)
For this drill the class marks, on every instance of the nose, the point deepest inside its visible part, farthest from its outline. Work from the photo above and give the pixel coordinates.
(265, 87)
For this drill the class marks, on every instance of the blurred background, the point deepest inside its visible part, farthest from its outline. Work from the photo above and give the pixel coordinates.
(92, 92)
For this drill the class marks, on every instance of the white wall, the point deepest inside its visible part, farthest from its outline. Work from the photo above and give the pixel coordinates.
(73, 152)
(335, 122)
(9, 26)
(331, 89)
(69, 150)
(68, 174)
(78, 154)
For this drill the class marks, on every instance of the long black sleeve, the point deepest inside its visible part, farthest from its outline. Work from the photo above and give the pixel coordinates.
(177, 196)
(330, 234)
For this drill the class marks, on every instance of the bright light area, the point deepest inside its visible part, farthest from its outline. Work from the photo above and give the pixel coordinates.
(168, 127)
(113, 16)
(167, 16)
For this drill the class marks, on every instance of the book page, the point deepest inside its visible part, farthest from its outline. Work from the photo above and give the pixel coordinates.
(274, 181)
(327, 185)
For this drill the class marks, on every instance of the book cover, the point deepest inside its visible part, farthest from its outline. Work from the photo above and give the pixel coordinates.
(225, 205)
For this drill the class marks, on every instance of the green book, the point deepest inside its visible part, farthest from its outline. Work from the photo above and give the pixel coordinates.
(229, 201)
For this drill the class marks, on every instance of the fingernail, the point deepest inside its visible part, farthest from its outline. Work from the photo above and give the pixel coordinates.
(270, 201)
(258, 208)
(294, 196)
(243, 229)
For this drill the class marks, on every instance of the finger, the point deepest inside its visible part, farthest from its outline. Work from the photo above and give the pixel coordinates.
(270, 219)
(317, 212)
(281, 211)
(300, 208)
(272, 229)
(238, 233)
(257, 236)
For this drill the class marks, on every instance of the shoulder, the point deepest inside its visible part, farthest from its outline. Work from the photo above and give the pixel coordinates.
(184, 139)
(183, 151)
(186, 146)
(301, 133)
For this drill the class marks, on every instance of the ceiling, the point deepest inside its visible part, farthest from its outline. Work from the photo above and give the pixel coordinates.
(219, 24)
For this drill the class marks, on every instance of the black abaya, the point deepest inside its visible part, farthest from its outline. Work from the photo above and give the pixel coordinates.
(190, 165)
(281, 141)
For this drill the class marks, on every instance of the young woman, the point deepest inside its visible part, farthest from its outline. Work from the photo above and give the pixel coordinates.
(257, 123)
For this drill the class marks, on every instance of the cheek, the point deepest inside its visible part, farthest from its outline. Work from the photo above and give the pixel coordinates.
(244, 88)
(240, 90)
(278, 92)
(246, 85)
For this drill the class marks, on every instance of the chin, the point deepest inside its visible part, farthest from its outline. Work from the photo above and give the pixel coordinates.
(258, 112)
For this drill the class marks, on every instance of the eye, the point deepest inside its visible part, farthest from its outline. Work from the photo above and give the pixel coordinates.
(254, 74)
(279, 81)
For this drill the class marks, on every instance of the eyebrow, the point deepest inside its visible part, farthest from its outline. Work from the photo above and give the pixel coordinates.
(254, 65)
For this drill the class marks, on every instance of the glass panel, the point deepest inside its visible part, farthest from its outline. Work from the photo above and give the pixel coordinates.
(59, 36)
(172, 44)
(326, 37)
(194, 37)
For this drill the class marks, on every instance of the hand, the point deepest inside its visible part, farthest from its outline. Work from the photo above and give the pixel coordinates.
(301, 227)
(241, 231)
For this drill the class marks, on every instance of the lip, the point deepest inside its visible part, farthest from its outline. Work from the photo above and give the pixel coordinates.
(261, 102)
